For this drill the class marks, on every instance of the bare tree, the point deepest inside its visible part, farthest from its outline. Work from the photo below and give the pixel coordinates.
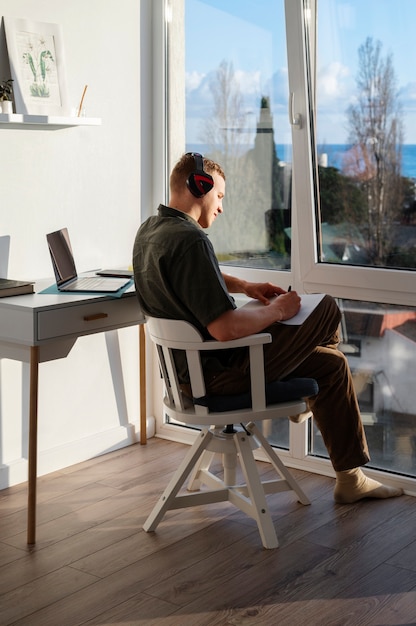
(228, 123)
(241, 228)
(376, 132)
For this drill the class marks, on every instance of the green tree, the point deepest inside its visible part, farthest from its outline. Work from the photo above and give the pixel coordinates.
(341, 199)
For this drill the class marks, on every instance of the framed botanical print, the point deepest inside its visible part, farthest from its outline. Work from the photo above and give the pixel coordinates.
(37, 66)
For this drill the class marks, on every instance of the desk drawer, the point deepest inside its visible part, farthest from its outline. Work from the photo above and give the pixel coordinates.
(88, 317)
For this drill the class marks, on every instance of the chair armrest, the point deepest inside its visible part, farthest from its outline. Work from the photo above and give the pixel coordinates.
(254, 343)
(181, 335)
(256, 360)
(249, 340)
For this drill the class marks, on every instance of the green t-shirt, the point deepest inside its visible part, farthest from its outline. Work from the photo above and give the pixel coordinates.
(176, 272)
(177, 275)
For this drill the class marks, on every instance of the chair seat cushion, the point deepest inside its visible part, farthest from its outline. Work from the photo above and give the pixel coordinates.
(278, 391)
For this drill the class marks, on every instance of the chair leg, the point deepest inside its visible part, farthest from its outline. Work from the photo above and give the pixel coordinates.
(222, 443)
(278, 464)
(202, 465)
(177, 480)
(259, 507)
(196, 465)
(229, 464)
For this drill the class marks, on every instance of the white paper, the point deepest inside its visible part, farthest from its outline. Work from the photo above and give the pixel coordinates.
(309, 302)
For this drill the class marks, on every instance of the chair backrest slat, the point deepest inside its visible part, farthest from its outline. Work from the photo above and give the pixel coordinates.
(258, 387)
(195, 373)
(173, 377)
(164, 372)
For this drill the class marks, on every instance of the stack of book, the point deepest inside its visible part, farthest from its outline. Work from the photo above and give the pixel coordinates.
(14, 287)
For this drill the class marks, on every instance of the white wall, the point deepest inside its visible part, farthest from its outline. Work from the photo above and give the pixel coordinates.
(85, 178)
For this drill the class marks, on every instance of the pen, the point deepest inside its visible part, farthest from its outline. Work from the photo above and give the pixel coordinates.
(289, 288)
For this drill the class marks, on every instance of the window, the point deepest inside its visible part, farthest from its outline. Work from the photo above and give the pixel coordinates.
(358, 114)
(307, 194)
(236, 113)
(366, 133)
(379, 342)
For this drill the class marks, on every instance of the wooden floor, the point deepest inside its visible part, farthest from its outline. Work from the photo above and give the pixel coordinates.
(93, 563)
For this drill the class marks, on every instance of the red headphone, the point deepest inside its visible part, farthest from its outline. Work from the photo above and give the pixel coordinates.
(199, 182)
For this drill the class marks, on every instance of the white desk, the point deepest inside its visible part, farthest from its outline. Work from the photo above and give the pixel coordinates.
(39, 327)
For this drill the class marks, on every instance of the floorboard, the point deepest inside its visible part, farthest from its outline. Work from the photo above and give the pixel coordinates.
(94, 565)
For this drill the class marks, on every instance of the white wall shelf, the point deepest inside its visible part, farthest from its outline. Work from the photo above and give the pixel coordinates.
(45, 122)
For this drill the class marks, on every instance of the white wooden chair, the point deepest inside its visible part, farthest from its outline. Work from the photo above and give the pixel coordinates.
(219, 434)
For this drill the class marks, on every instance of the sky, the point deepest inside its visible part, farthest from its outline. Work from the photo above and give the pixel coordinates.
(251, 34)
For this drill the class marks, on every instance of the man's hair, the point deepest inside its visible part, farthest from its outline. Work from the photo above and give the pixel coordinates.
(186, 165)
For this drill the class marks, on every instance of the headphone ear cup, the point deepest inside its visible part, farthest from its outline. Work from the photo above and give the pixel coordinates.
(199, 183)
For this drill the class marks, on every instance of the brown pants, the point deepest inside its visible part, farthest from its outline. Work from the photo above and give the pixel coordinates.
(310, 351)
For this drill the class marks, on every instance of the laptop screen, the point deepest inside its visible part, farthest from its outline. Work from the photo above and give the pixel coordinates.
(4, 255)
(62, 258)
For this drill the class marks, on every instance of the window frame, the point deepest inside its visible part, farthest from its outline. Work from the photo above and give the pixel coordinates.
(391, 286)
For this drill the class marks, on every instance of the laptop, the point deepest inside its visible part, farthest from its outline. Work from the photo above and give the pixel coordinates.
(65, 271)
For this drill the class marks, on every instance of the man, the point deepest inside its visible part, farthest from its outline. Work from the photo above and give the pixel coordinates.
(177, 276)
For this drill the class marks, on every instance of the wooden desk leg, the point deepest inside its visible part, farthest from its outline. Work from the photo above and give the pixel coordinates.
(33, 444)
(142, 375)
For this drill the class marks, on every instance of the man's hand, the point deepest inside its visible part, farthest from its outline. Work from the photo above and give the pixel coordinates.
(288, 304)
(262, 291)
(259, 291)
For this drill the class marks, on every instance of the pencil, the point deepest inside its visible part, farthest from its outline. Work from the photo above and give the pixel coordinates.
(82, 101)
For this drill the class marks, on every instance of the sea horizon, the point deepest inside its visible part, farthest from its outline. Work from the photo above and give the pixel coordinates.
(335, 153)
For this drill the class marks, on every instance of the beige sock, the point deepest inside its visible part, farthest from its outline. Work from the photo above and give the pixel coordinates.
(353, 485)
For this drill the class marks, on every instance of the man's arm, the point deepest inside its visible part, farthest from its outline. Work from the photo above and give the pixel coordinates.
(244, 321)
(234, 284)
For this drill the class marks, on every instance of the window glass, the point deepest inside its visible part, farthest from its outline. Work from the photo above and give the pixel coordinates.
(366, 155)
(366, 132)
(379, 342)
(236, 113)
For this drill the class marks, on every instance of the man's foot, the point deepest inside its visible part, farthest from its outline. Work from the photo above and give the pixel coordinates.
(353, 485)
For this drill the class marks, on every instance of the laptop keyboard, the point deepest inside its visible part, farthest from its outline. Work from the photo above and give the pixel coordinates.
(90, 283)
